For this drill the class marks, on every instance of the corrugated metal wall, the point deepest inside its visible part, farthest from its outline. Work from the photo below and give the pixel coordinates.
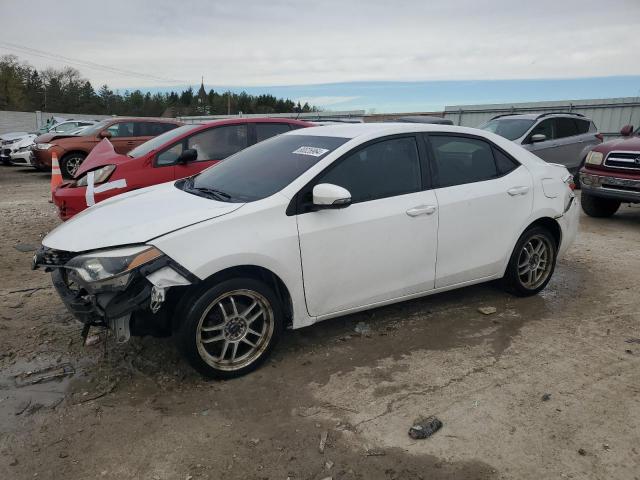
(609, 114)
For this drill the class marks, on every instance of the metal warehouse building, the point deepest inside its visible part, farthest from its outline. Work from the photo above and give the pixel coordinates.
(609, 114)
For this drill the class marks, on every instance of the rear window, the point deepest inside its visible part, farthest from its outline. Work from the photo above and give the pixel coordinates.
(268, 130)
(267, 167)
(509, 128)
(565, 127)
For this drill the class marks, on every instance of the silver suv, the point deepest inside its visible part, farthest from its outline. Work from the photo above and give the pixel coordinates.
(556, 137)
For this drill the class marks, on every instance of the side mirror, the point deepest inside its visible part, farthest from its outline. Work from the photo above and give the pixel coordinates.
(104, 134)
(327, 195)
(188, 155)
(626, 131)
(538, 137)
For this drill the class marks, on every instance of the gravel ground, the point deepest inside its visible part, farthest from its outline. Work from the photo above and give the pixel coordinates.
(546, 387)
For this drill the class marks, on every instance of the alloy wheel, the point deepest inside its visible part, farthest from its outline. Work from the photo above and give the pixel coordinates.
(71, 165)
(535, 262)
(235, 329)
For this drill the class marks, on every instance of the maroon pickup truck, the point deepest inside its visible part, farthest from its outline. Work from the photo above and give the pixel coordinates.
(611, 174)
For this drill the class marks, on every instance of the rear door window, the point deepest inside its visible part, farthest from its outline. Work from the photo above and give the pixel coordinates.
(220, 142)
(122, 129)
(582, 126)
(565, 127)
(268, 130)
(152, 129)
(460, 160)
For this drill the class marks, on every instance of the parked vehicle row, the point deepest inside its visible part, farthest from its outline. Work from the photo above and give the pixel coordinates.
(310, 224)
(71, 150)
(177, 153)
(16, 147)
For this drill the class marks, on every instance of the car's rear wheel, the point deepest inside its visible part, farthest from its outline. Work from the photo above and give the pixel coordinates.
(229, 329)
(532, 262)
(70, 163)
(598, 206)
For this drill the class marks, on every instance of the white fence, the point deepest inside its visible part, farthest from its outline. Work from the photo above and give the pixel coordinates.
(609, 114)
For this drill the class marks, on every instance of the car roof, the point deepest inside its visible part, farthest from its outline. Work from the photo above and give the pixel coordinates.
(354, 130)
(232, 121)
(142, 119)
(535, 116)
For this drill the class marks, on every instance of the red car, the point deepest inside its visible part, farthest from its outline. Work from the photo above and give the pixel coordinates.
(176, 154)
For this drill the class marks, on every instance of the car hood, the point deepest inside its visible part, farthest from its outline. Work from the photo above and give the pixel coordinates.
(135, 217)
(26, 141)
(622, 143)
(102, 154)
(49, 137)
(13, 135)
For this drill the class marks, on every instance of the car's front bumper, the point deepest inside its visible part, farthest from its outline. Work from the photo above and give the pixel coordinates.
(607, 186)
(22, 159)
(138, 302)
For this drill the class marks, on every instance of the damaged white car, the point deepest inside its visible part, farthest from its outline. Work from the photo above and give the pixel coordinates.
(309, 225)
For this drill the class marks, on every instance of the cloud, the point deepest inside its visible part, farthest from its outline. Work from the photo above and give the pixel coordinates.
(325, 101)
(285, 42)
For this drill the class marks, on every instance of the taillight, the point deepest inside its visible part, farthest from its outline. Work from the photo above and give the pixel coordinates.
(568, 180)
(600, 137)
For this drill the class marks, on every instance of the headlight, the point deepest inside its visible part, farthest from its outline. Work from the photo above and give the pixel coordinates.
(594, 158)
(112, 267)
(43, 146)
(99, 176)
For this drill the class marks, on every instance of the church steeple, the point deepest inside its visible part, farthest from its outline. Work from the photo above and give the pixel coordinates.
(202, 94)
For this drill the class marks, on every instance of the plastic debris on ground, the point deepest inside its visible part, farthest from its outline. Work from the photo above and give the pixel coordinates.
(425, 428)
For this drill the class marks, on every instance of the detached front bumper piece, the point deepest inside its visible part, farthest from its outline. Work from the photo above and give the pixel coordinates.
(623, 189)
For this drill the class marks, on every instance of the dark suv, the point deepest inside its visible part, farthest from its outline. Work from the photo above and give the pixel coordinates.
(556, 137)
(611, 174)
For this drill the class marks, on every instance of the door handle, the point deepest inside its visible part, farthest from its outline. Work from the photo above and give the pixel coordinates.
(518, 191)
(421, 210)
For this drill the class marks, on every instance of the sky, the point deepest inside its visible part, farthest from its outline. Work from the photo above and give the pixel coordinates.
(405, 55)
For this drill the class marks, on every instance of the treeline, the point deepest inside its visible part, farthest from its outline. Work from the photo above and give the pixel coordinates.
(23, 88)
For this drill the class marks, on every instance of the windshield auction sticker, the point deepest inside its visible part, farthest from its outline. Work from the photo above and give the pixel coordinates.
(313, 151)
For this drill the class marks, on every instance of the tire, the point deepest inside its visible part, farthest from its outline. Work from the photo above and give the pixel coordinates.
(70, 163)
(528, 257)
(597, 206)
(250, 340)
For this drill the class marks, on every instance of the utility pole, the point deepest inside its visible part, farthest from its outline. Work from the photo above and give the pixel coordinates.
(228, 103)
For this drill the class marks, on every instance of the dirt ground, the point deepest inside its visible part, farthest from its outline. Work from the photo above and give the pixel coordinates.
(138, 411)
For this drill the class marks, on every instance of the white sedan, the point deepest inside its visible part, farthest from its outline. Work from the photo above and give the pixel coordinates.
(309, 225)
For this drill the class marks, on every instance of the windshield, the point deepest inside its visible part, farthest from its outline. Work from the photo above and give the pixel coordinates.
(98, 127)
(160, 140)
(509, 128)
(261, 170)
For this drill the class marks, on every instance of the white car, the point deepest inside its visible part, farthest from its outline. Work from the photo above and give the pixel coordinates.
(309, 225)
(20, 152)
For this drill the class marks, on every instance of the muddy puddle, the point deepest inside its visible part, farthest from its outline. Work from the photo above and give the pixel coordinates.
(27, 387)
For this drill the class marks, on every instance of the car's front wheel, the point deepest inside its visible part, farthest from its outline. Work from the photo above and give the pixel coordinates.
(532, 262)
(229, 329)
(598, 206)
(70, 163)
